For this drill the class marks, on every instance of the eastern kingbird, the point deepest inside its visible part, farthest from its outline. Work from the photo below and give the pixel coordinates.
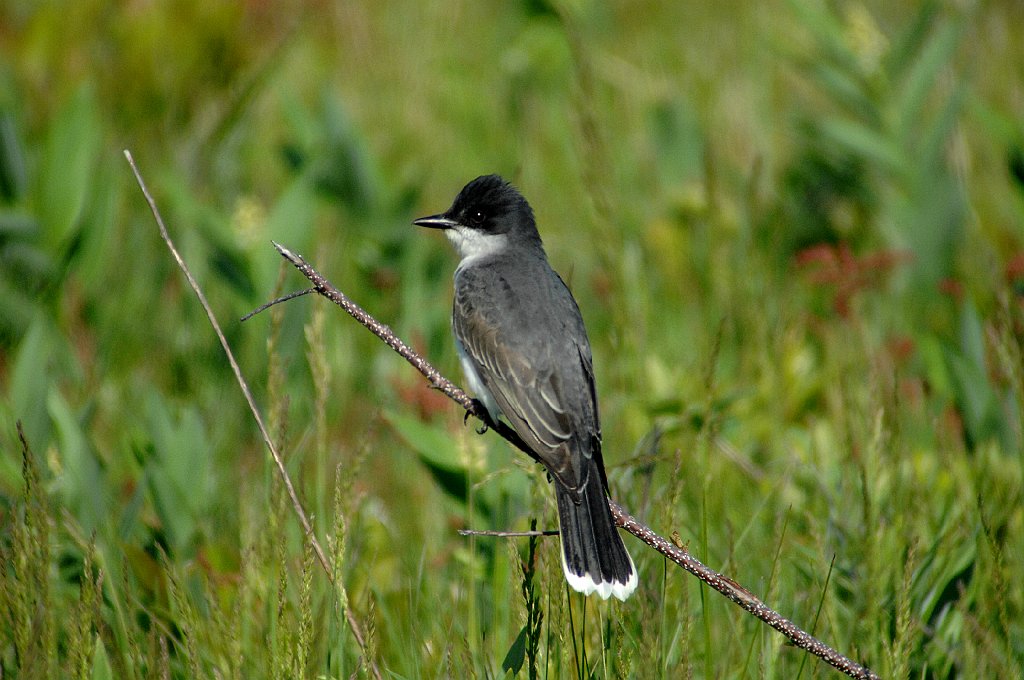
(525, 353)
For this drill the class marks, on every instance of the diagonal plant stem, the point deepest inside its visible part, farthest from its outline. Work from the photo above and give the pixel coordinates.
(307, 527)
(680, 555)
(506, 534)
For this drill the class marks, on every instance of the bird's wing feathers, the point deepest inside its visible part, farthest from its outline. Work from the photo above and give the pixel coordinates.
(520, 372)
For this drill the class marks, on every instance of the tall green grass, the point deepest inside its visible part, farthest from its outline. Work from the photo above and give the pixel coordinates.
(794, 230)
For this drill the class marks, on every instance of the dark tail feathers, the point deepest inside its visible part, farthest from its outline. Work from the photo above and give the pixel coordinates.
(593, 556)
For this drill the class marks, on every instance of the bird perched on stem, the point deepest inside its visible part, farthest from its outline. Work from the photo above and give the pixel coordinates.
(525, 353)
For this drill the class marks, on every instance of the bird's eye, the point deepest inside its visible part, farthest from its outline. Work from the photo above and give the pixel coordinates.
(476, 218)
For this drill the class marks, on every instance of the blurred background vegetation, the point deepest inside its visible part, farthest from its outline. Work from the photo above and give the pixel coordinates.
(795, 230)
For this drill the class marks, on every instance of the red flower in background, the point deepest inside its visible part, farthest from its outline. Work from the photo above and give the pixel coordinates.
(837, 266)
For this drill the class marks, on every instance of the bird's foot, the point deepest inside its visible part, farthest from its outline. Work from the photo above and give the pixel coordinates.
(481, 412)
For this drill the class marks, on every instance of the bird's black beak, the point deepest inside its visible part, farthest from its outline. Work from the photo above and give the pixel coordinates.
(435, 222)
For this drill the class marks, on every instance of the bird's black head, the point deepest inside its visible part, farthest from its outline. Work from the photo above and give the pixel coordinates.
(488, 205)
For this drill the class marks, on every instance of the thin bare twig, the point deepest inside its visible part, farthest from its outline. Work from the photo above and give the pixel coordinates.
(506, 534)
(723, 584)
(283, 298)
(307, 527)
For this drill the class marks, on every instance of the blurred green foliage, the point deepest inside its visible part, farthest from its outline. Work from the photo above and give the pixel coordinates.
(796, 231)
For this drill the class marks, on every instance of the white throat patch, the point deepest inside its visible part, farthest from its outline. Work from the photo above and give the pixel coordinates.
(473, 244)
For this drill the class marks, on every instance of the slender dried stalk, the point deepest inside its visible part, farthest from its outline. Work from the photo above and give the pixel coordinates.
(307, 527)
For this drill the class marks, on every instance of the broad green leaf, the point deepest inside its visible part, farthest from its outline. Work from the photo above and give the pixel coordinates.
(678, 142)
(437, 451)
(66, 174)
(19, 309)
(516, 654)
(974, 397)
(179, 473)
(932, 354)
(40, 359)
(344, 169)
(99, 226)
(972, 336)
(80, 477)
(932, 141)
(823, 23)
(912, 40)
(290, 223)
(101, 669)
(912, 93)
(861, 140)
(848, 90)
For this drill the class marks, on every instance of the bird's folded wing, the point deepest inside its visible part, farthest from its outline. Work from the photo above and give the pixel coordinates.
(527, 390)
